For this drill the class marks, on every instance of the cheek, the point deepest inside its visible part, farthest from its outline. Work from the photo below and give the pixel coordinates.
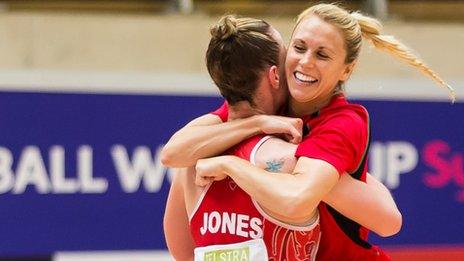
(326, 70)
(292, 58)
(334, 73)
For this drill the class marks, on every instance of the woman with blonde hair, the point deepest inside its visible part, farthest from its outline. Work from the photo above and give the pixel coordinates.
(323, 52)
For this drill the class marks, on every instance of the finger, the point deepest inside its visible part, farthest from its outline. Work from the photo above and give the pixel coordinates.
(295, 134)
(296, 140)
(219, 177)
(286, 137)
(201, 181)
(299, 124)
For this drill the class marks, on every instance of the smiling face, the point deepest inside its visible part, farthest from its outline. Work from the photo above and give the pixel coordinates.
(315, 64)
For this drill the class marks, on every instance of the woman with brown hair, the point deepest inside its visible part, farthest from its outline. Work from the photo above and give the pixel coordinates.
(323, 53)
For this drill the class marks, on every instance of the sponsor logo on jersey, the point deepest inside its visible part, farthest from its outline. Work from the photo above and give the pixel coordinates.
(235, 254)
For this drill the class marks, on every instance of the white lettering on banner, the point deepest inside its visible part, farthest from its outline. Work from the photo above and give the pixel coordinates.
(388, 161)
(169, 173)
(57, 174)
(232, 223)
(6, 174)
(142, 167)
(85, 172)
(31, 171)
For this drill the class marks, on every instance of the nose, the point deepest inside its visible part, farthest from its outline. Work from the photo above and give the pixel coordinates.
(307, 60)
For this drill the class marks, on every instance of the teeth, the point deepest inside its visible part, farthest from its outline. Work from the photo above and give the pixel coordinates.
(304, 78)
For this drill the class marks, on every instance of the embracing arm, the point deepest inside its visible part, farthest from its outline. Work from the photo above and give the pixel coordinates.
(369, 204)
(294, 196)
(204, 137)
(207, 136)
(176, 224)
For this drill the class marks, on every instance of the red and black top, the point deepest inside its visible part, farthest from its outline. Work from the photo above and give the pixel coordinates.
(338, 134)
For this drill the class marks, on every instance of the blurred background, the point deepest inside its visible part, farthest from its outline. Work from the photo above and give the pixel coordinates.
(91, 90)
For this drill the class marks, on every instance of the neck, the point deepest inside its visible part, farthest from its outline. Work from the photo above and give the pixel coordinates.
(300, 109)
(242, 110)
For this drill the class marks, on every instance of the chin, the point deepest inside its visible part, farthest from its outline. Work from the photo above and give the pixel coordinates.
(300, 96)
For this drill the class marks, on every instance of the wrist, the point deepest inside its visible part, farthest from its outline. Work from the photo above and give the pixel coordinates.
(255, 124)
(227, 164)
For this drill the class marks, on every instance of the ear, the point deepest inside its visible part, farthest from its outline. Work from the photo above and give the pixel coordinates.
(273, 76)
(348, 71)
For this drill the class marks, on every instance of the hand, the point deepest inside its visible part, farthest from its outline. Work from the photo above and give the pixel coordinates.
(291, 128)
(209, 170)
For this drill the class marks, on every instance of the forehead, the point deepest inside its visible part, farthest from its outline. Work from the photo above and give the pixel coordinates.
(315, 31)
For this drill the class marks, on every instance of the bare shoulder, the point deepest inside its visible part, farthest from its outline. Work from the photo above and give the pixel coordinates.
(205, 120)
(276, 155)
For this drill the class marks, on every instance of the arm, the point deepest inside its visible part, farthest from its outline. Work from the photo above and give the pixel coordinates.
(204, 137)
(176, 224)
(294, 196)
(207, 136)
(369, 204)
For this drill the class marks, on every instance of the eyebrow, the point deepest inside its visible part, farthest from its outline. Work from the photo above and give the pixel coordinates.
(298, 40)
(327, 49)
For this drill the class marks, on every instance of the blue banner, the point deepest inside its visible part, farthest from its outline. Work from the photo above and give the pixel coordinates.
(418, 152)
(82, 171)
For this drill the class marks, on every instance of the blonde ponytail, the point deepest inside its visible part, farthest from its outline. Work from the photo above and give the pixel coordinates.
(371, 30)
(355, 26)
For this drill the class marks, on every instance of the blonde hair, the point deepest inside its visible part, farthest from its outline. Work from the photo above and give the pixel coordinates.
(354, 26)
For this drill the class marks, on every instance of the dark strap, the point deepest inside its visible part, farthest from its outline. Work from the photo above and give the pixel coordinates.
(348, 226)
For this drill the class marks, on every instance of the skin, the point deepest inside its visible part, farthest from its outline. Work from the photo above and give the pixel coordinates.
(219, 167)
(295, 194)
(317, 53)
(176, 223)
(199, 138)
(275, 155)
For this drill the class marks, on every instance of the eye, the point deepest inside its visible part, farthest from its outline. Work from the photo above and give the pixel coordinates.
(322, 55)
(299, 48)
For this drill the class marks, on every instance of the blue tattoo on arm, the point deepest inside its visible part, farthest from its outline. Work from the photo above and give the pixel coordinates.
(274, 165)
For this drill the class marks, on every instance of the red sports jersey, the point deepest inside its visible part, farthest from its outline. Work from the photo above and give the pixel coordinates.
(222, 112)
(225, 214)
(338, 134)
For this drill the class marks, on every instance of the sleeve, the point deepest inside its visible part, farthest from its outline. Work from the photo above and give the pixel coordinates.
(246, 148)
(222, 112)
(340, 141)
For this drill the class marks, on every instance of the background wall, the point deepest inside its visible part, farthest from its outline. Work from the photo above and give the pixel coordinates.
(88, 98)
(177, 43)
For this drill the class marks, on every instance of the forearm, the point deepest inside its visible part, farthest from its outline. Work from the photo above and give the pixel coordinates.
(369, 204)
(176, 224)
(201, 141)
(293, 196)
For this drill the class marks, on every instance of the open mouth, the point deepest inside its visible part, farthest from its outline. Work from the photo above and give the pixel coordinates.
(305, 79)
